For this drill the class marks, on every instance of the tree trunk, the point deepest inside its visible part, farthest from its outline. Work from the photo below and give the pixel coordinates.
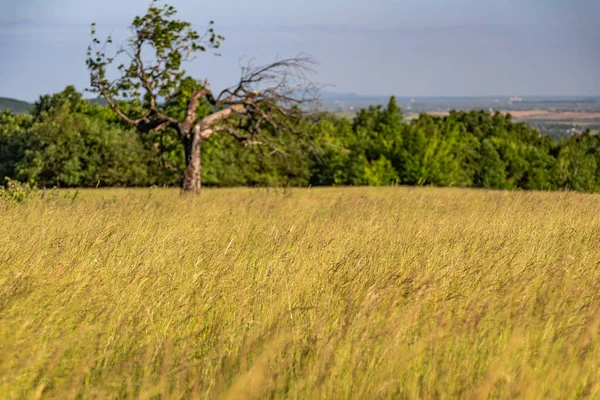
(191, 177)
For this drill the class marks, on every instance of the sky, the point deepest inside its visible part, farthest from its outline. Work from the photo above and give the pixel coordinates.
(371, 47)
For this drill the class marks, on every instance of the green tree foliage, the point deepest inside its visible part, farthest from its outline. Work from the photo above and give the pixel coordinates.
(14, 141)
(77, 150)
(66, 141)
(577, 163)
(492, 173)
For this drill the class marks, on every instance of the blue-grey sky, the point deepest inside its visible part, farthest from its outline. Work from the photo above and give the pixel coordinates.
(380, 47)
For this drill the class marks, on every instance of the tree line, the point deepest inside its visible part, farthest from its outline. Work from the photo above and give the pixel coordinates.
(66, 141)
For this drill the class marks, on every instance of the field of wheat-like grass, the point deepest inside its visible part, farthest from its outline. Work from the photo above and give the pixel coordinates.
(356, 293)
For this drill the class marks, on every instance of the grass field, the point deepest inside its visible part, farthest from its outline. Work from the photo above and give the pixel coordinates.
(356, 293)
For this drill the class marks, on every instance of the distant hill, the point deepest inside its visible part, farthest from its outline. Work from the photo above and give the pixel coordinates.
(349, 101)
(325, 95)
(100, 100)
(16, 106)
(21, 107)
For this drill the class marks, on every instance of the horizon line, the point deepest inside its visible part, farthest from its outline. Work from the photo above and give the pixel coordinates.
(360, 96)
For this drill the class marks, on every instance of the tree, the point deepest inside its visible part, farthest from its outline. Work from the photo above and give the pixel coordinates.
(72, 144)
(576, 164)
(14, 142)
(144, 89)
(493, 170)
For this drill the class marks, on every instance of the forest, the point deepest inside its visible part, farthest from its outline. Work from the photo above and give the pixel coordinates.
(67, 141)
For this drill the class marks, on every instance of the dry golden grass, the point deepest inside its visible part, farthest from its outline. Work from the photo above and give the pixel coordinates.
(322, 293)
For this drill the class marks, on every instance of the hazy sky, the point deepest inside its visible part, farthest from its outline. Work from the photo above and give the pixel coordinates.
(402, 47)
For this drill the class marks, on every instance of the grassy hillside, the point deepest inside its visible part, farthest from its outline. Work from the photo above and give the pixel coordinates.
(327, 293)
(16, 106)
